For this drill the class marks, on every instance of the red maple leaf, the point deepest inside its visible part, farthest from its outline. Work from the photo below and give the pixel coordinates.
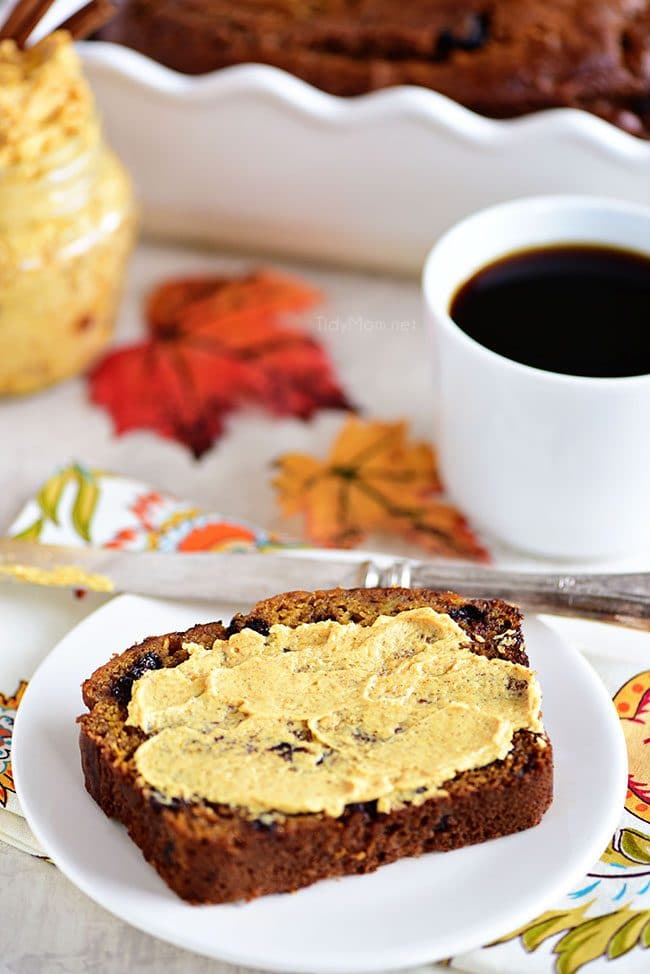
(215, 345)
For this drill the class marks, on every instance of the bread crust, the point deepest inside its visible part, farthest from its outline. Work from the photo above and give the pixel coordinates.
(212, 854)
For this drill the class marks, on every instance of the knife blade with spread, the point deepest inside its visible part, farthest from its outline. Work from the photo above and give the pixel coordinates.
(245, 577)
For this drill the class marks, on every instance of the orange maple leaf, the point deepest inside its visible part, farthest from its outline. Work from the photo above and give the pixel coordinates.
(374, 479)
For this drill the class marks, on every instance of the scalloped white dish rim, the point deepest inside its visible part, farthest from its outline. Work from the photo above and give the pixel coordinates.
(423, 104)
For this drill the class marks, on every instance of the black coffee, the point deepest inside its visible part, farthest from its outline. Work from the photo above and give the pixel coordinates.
(578, 310)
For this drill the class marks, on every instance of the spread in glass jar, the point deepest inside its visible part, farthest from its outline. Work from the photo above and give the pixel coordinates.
(66, 218)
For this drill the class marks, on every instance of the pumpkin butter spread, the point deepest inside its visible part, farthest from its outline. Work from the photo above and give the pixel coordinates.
(313, 718)
(44, 101)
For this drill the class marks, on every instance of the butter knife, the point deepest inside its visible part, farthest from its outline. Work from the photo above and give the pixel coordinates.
(245, 577)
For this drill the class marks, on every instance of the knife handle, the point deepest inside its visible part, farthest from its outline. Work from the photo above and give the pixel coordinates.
(623, 599)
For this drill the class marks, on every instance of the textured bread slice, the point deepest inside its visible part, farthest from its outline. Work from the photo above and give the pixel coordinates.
(212, 853)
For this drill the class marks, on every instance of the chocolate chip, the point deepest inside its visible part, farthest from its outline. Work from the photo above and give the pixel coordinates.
(177, 803)
(361, 735)
(284, 749)
(301, 733)
(121, 688)
(369, 809)
(472, 36)
(442, 825)
(258, 625)
(243, 622)
(287, 750)
(478, 32)
(264, 826)
(468, 612)
(160, 802)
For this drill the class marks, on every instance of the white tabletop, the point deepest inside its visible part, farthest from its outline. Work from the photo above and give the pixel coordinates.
(372, 327)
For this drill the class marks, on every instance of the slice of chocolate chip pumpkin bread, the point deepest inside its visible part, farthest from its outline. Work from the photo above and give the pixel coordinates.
(322, 734)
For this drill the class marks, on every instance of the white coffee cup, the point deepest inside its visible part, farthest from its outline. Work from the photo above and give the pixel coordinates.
(552, 464)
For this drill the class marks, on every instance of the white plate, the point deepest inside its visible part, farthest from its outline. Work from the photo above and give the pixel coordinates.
(410, 912)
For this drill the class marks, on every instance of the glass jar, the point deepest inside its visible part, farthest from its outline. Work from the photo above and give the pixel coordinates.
(66, 229)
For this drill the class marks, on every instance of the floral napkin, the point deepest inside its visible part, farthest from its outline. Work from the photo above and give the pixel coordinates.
(78, 506)
(601, 925)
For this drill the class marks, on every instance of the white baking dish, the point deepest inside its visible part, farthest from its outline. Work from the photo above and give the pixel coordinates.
(252, 157)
